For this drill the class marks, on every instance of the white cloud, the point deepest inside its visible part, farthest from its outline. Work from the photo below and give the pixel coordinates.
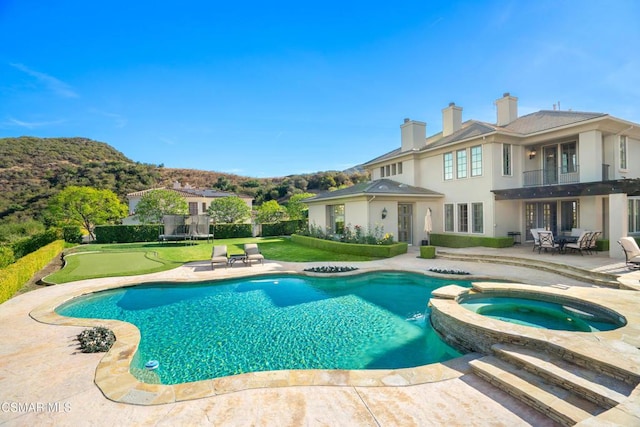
(31, 125)
(57, 86)
(119, 120)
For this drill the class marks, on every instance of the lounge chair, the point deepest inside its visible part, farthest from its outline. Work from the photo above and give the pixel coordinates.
(219, 255)
(631, 251)
(252, 253)
(582, 244)
(547, 242)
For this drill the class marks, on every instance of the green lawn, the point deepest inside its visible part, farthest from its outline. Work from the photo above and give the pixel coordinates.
(111, 260)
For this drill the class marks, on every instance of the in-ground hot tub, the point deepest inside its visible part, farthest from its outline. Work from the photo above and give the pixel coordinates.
(542, 311)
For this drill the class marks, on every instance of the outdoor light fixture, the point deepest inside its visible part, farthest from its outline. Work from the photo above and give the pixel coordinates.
(532, 152)
(384, 213)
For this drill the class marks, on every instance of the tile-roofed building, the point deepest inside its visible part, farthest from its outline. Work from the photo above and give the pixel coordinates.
(198, 199)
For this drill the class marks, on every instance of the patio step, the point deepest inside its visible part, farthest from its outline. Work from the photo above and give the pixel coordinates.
(559, 404)
(587, 276)
(597, 387)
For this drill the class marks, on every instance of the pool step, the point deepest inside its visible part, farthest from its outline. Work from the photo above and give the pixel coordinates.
(587, 276)
(597, 387)
(559, 404)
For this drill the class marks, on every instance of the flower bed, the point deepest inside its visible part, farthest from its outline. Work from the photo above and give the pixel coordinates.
(331, 269)
(448, 271)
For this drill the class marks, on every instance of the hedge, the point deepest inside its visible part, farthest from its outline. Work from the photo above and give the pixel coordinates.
(14, 276)
(466, 241)
(30, 244)
(283, 228)
(127, 233)
(231, 231)
(379, 251)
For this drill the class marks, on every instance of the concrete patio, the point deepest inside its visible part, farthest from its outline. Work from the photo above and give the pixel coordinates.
(44, 380)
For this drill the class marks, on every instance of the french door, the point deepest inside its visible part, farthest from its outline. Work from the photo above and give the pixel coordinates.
(541, 215)
(405, 221)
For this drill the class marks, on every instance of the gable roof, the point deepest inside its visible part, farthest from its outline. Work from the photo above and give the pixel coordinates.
(376, 188)
(523, 126)
(188, 192)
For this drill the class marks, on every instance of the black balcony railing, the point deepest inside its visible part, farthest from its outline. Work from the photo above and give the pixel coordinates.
(555, 176)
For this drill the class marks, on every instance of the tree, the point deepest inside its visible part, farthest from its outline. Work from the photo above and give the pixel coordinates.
(230, 210)
(270, 211)
(296, 208)
(86, 207)
(156, 203)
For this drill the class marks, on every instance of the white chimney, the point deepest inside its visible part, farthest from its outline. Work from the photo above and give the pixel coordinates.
(451, 119)
(413, 134)
(507, 107)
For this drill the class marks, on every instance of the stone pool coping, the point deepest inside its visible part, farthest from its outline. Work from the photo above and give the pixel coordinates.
(118, 384)
(614, 352)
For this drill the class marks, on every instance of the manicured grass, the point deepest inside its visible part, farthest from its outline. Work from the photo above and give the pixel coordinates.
(127, 259)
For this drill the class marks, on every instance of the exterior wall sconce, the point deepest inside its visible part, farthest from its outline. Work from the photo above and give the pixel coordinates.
(532, 152)
(384, 213)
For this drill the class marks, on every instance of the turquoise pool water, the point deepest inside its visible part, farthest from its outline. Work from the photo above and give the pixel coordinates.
(543, 314)
(215, 329)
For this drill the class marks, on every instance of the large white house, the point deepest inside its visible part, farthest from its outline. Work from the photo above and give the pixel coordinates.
(550, 169)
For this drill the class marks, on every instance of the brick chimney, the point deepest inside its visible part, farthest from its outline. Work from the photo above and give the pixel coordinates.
(413, 134)
(507, 107)
(451, 119)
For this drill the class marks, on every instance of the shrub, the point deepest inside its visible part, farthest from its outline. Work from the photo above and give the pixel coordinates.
(358, 234)
(231, 231)
(379, 251)
(14, 276)
(466, 241)
(428, 252)
(127, 233)
(283, 228)
(72, 234)
(33, 243)
(6, 256)
(96, 340)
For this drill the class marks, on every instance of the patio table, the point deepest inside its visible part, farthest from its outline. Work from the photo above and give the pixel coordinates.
(234, 258)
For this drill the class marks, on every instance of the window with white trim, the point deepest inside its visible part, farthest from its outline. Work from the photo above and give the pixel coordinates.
(448, 217)
(461, 164)
(568, 158)
(463, 218)
(477, 218)
(336, 218)
(381, 171)
(634, 215)
(623, 152)
(506, 160)
(476, 160)
(447, 165)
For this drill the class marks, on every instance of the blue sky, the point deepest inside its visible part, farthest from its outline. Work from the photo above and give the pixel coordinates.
(268, 89)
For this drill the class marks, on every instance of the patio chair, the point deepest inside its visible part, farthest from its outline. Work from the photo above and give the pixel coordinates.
(582, 244)
(631, 251)
(547, 242)
(592, 245)
(219, 254)
(252, 253)
(536, 238)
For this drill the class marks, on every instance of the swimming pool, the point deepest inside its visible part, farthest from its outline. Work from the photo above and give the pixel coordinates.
(215, 329)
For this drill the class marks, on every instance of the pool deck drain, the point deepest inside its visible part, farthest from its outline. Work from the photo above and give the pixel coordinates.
(40, 364)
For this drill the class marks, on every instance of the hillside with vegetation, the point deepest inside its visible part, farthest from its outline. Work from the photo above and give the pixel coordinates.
(34, 169)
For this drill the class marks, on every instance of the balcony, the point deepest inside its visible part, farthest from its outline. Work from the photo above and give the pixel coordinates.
(556, 176)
